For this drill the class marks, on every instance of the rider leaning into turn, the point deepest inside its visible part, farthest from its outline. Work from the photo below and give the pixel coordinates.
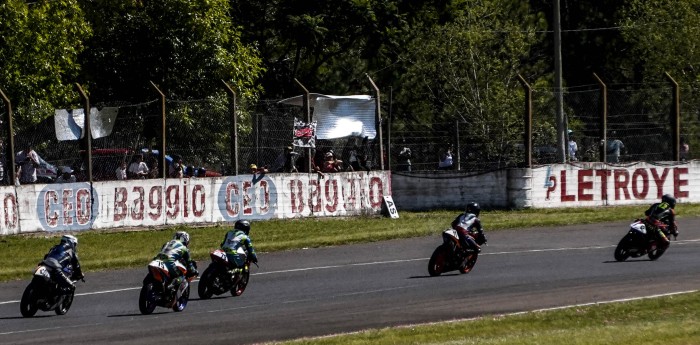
(237, 244)
(175, 254)
(661, 215)
(467, 224)
(62, 262)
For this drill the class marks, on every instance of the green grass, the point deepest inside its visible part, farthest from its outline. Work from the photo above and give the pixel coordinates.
(671, 320)
(101, 250)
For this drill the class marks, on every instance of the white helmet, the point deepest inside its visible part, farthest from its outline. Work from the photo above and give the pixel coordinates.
(182, 237)
(71, 240)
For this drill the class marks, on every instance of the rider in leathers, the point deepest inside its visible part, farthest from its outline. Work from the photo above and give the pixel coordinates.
(466, 224)
(237, 244)
(175, 254)
(63, 263)
(661, 215)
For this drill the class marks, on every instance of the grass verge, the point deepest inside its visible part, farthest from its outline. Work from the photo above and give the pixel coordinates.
(671, 320)
(101, 250)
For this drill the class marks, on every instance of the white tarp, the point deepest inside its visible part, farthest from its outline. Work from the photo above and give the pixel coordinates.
(340, 116)
(69, 122)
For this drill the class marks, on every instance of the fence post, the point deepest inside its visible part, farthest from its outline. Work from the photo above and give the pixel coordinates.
(378, 120)
(527, 120)
(234, 128)
(603, 153)
(87, 138)
(10, 149)
(388, 128)
(675, 118)
(458, 147)
(163, 161)
(307, 111)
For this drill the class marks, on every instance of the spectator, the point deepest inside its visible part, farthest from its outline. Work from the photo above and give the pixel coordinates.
(684, 150)
(66, 176)
(405, 159)
(138, 168)
(121, 171)
(614, 148)
(573, 147)
(2, 163)
(28, 160)
(446, 160)
(176, 169)
(330, 164)
(255, 170)
(285, 161)
(353, 159)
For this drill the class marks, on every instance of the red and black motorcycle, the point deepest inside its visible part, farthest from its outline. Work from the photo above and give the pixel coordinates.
(218, 277)
(450, 256)
(161, 290)
(639, 242)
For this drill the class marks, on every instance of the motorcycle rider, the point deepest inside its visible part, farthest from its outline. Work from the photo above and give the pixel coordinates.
(62, 261)
(175, 254)
(237, 244)
(467, 225)
(660, 216)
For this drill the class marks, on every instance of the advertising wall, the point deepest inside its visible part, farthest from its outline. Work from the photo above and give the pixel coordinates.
(158, 202)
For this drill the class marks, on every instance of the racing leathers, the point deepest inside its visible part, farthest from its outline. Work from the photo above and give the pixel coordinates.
(63, 264)
(661, 216)
(467, 226)
(176, 257)
(238, 246)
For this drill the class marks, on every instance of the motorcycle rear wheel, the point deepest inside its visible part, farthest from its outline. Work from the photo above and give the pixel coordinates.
(241, 284)
(27, 305)
(147, 300)
(62, 308)
(622, 252)
(436, 265)
(204, 289)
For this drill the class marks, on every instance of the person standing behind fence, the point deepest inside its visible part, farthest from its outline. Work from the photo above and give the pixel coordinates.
(684, 151)
(121, 171)
(405, 159)
(138, 168)
(446, 160)
(573, 147)
(28, 161)
(614, 148)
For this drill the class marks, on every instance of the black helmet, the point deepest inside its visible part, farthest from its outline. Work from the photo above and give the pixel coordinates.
(669, 199)
(182, 237)
(242, 225)
(474, 208)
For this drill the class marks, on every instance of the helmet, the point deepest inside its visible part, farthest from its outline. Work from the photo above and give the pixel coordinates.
(71, 240)
(242, 225)
(474, 208)
(182, 237)
(669, 199)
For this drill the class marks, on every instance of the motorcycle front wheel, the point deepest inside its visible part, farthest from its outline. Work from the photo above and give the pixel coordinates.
(622, 252)
(204, 289)
(471, 261)
(656, 252)
(62, 308)
(27, 305)
(241, 284)
(436, 265)
(147, 299)
(181, 303)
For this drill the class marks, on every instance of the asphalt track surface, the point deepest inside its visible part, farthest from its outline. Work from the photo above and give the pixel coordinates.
(324, 291)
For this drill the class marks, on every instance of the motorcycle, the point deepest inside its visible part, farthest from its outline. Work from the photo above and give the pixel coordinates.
(160, 290)
(637, 242)
(450, 256)
(217, 278)
(44, 293)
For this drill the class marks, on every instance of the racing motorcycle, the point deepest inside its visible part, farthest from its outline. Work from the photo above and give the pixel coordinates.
(160, 290)
(637, 242)
(450, 256)
(44, 293)
(217, 278)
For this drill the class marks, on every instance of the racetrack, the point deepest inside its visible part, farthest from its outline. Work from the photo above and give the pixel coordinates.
(341, 289)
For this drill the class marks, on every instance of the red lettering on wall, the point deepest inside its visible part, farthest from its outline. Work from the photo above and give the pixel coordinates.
(621, 180)
(331, 189)
(247, 207)
(137, 210)
(10, 206)
(375, 199)
(679, 182)
(264, 187)
(603, 174)
(659, 180)
(67, 203)
(584, 185)
(119, 204)
(155, 202)
(564, 196)
(552, 185)
(172, 201)
(314, 196)
(636, 175)
(296, 196)
(50, 197)
(185, 201)
(198, 191)
(83, 202)
(232, 208)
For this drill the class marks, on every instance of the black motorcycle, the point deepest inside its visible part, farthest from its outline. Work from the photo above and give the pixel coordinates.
(638, 242)
(217, 278)
(44, 293)
(449, 256)
(161, 290)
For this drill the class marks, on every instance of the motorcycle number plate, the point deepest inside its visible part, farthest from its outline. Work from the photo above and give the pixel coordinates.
(221, 254)
(42, 271)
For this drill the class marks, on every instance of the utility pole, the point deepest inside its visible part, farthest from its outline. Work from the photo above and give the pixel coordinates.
(561, 123)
